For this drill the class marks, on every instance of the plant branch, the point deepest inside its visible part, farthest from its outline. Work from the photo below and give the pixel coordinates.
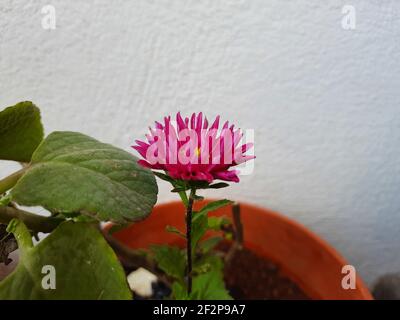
(237, 223)
(133, 259)
(32, 221)
(238, 233)
(10, 181)
(189, 211)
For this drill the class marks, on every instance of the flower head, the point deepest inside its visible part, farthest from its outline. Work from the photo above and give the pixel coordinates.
(190, 149)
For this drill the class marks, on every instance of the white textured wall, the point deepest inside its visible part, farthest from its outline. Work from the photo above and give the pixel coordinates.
(324, 101)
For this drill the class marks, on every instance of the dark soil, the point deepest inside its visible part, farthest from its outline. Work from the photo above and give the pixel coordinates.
(251, 277)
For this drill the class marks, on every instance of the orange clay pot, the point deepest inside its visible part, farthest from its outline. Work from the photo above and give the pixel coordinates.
(304, 257)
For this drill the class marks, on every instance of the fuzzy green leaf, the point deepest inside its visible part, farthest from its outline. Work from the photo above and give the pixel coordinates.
(179, 291)
(211, 285)
(21, 131)
(171, 260)
(71, 172)
(84, 264)
(206, 286)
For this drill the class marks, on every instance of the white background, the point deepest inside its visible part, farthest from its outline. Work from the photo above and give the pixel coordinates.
(323, 101)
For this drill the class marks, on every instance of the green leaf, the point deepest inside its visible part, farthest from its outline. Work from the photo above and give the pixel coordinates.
(172, 229)
(216, 223)
(163, 176)
(200, 221)
(194, 184)
(85, 266)
(184, 198)
(21, 131)
(5, 200)
(210, 285)
(179, 291)
(179, 186)
(199, 228)
(71, 172)
(206, 286)
(197, 198)
(171, 260)
(209, 244)
(215, 205)
(212, 206)
(218, 185)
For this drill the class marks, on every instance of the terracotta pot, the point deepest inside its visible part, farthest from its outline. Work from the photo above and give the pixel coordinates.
(304, 257)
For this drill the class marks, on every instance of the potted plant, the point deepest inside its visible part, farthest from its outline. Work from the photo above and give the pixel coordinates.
(198, 249)
(286, 260)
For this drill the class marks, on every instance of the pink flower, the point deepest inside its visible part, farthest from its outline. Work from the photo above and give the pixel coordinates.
(192, 150)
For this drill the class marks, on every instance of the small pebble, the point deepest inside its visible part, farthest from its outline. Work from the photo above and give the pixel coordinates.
(141, 282)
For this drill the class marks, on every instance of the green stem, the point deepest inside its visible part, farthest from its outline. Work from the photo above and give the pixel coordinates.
(189, 211)
(22, 235)
(184, 198)
(10, 181)
(32, 221)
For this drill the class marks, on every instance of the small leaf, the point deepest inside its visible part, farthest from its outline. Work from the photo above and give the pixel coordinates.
(200, 269)
(85, 266)
(171, 260)
(198, 198)
(210, 285)
(71, 172)
(198, 184)
(212, 206)
(216, 223)
(172, 229)
(179, 291)
(209, 244)
(21, 131)
(163, 176)
(218, 185)
(4, 201)
(184, 198)
(200, 220)
(199, 228)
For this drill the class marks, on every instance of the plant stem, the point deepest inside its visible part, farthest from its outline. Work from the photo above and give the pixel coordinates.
(134, 259)
(189, 210)
(238, 234)
(10, 181)
(237, 222)
(33, 222)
